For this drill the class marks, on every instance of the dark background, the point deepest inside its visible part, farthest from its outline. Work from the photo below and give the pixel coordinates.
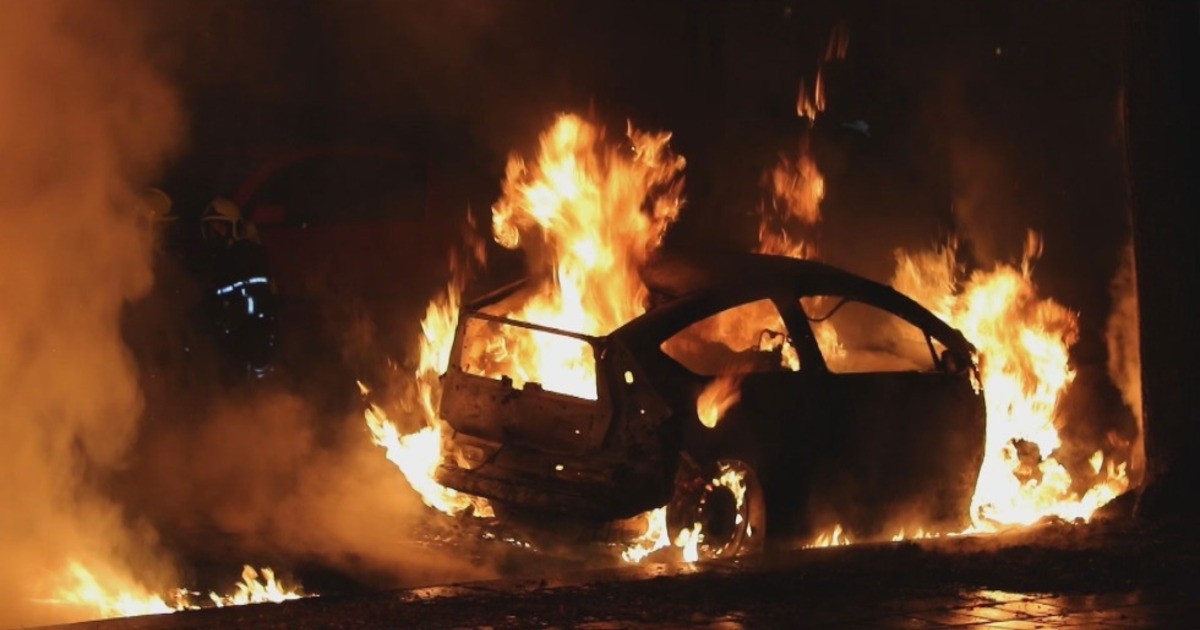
(986, 120)
(1008, 111)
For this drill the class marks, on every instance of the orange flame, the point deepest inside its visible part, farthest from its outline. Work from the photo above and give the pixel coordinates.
(1024, 343)
(106, 596)
(797, 185)
(811, 103)
(654, 537)
(798, 188)
(833, 538)
(718, 396)
(417, 454)
(110, 595)
(689, 540)
(588, 216)
(252, 591)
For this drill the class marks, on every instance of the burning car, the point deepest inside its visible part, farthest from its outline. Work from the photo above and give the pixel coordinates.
(756, 394)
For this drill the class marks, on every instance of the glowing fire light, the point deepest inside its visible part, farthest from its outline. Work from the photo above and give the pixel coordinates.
(588, 216)
(654, 537)
(718, 396)
(1024, 344)
(833, 538)
(84, 590)
(417, 455)
(797, 185)
(253, 591)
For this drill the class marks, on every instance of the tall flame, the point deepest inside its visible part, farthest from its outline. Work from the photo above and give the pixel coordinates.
(417, 454)
(588, 215)
(1024, 343)
(797, 186)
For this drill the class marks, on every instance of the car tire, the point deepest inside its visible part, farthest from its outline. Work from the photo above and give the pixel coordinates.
(727, 503)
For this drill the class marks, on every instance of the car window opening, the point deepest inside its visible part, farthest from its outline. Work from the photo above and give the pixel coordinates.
(529, 357)
(857, 337)
(747, 338)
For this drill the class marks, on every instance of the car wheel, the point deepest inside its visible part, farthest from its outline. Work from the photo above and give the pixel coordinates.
(726, 511)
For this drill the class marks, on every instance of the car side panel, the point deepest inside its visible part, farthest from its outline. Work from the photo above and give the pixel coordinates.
(871, 452)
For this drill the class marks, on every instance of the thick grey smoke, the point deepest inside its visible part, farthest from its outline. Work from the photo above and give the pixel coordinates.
(84, 124)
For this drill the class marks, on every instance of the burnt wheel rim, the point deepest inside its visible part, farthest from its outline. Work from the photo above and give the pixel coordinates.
(730, 511)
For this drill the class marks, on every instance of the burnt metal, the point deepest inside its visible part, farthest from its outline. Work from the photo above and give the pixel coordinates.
(870, 450)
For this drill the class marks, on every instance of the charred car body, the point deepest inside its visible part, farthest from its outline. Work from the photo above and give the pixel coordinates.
(852, 404)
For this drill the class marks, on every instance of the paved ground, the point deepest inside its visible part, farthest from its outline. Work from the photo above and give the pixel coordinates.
(1124, 574)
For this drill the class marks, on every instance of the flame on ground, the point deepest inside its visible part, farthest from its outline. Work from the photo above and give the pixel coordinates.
(252, 590)
(654, 537)
(110, 596)
(833, 538)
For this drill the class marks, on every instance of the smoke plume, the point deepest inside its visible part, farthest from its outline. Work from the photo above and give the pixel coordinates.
(1124, 351)
(84, 124)
(267, 477)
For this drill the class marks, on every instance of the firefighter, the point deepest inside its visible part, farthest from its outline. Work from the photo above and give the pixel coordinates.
(222, 225)
(242, 302)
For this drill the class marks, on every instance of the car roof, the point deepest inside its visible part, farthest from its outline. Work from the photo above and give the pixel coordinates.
(678, 274)
(684, 284)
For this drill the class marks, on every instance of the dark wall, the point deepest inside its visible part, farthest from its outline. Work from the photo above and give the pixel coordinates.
(1162, 102)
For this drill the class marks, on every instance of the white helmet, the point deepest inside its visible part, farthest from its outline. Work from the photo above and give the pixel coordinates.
(222, 221)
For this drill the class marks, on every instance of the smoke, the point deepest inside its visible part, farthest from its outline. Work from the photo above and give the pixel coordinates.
(268, 477)
(84, 123)
(1122, 337)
